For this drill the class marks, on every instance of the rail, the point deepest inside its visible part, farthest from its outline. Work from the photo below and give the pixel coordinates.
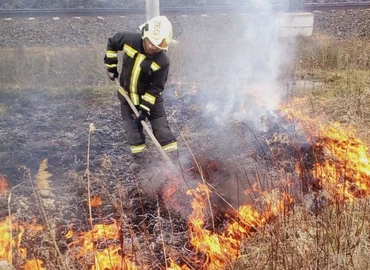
(129, 11)
(176, 10)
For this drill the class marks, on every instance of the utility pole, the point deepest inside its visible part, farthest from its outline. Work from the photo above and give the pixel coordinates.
(152, 9)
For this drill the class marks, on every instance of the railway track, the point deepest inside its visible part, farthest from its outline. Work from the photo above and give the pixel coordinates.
(130, 11)
(175, 10)
(335, 6)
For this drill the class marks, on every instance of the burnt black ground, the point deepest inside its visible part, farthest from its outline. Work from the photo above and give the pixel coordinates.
(37, 124)
(54, 125)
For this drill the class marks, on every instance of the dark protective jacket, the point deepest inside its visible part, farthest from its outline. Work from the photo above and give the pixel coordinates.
(142, 76)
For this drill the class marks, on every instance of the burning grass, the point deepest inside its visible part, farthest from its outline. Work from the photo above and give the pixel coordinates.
(330, 229)
(325, 226)
(307, 193)
(284, 225)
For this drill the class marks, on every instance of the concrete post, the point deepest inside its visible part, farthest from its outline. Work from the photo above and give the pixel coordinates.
(152, 9)
(295, 5)
(293, 24)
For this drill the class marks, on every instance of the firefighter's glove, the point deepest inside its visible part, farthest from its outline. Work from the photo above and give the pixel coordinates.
(142, 116)
(112, 74)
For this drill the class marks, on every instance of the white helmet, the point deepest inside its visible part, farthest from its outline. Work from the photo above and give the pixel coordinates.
(157, 30)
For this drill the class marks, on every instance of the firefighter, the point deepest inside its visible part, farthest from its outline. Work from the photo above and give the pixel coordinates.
(144, 72)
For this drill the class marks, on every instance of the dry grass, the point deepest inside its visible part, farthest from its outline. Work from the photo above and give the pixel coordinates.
(43, 182)
(52, 68)
(59, 68)
(335, 238)
(338, 73)
(328, 53)
(332, 77)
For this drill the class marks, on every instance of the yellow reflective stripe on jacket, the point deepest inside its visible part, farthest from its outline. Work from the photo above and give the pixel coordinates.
(135, 77)
(110, 65)
(149, 98)
(134, 97)
(144, 107)
(129, 50)
(111, 54)
(170, 147)
(122, 91)
(138, 148)
(154, 66)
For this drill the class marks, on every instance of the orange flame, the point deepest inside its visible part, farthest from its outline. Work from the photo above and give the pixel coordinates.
(221, 249)
(96, 201)
(86, 240)
(5, 240)
(3, 185)
(110, 258)
(174, 266)
(218, 249)
(345, 171)
(8, 243)
(34, 264)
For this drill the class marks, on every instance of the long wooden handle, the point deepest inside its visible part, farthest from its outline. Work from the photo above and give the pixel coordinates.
(145, 125)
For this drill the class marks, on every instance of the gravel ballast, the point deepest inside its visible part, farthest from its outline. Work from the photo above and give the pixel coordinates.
(46, 31)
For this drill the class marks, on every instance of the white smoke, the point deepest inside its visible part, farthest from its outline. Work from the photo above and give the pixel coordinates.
(236, 60)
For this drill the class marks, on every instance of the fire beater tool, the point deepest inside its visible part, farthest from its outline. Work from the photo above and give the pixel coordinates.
(160, 149)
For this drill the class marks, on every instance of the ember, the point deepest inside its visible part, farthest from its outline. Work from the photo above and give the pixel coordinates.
(96, 201)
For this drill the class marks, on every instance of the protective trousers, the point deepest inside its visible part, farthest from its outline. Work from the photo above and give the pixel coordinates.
(158, 120)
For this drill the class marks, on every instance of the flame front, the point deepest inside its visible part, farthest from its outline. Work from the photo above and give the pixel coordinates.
(5, 240)
(10, 244)
(34, 264)
(110, 258)
(218, 249)
(344, 171)
(222, 249)
(101, 244)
